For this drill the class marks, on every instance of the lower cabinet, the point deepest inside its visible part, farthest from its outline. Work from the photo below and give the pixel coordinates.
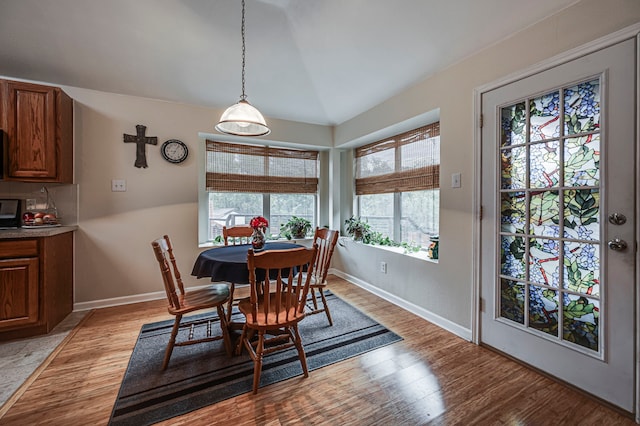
(36, 284)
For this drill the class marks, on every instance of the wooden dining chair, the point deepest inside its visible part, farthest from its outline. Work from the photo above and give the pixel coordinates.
(239, 234)
(276, 305)
(183, 302)
(326, 240)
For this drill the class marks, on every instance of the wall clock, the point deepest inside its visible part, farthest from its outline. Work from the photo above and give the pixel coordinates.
(174, 151)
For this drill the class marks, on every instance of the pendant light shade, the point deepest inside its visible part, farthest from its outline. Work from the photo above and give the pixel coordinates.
(242, 119)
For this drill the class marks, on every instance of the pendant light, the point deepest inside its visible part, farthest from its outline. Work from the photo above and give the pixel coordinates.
(242, 119)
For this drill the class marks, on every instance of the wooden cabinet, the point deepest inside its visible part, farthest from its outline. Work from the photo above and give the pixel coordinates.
(38, 124)
(36, 284)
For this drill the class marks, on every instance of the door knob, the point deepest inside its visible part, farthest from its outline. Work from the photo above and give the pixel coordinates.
(617, 244)
(617, 219)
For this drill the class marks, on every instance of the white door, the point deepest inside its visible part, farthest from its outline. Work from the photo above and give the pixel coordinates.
(557, 283)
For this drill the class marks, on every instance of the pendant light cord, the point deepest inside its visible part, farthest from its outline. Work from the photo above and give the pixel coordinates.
(243, 97)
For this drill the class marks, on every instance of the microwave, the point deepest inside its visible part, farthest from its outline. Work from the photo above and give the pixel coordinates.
(10, 213)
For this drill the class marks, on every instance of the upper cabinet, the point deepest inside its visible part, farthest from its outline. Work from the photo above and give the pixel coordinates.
(38, 125)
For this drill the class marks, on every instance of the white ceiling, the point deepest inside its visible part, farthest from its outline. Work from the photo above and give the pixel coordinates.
(314, 61)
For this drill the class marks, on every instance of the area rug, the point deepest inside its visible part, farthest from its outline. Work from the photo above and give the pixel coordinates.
(201, 375)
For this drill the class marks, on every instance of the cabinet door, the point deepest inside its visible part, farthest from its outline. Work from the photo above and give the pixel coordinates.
(18, 292)
(31, 131)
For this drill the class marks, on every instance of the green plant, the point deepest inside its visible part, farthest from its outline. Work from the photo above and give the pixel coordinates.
(359, 229)
(295, 227)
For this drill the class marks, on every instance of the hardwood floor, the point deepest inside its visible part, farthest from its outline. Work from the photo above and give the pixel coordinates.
(431, 377)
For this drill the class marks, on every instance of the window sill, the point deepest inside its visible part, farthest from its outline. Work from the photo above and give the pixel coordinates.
(422, 254)
(211, 244)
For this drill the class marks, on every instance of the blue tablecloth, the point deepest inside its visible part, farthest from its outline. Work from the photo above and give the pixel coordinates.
(229, 263)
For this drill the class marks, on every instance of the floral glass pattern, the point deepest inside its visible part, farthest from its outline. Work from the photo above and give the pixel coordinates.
(512, 300)
(550, 215)
(514, 168)
(582, 161)
(544, 210)
(513, 212)
(582, 268)
(582, 107)
(543, 309)
(513, 260)
(544, 166)
(513, 128)
(581, 316)
(544, 113)
(544, 261)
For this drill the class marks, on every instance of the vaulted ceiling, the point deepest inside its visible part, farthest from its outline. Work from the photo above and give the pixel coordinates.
(314, 61)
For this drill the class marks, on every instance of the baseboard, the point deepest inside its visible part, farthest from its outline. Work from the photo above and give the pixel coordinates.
(464, 333)
(124, 300)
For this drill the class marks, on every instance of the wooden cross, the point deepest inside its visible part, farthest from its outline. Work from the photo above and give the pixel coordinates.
(141, 140)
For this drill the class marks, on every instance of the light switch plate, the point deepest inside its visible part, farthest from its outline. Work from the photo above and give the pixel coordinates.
(455, 180)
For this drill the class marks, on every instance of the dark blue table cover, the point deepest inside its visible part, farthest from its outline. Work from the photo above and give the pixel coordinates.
(229, 263)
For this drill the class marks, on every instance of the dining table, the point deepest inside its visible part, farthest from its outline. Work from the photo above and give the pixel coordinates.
(229, 263)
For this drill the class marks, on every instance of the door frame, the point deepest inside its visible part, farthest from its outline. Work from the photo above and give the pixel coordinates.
(632, 31)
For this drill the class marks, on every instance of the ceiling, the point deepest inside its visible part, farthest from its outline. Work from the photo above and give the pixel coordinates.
(313, 61)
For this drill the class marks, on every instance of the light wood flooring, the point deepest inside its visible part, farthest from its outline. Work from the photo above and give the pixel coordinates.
(431, 377)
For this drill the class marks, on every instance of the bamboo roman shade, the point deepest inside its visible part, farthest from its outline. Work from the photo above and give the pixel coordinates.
(260, 169)
(406, 162)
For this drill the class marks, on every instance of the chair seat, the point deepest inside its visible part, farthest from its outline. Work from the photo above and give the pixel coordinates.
(275, 318)
(203, 298)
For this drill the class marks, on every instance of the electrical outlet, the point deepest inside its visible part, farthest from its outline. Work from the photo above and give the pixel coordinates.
(118, 185)
(383, 267)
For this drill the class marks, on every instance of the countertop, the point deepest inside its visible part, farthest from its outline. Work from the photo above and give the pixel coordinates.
(6, 234)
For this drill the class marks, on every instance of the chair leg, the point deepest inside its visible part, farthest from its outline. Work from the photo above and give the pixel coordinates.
(172, 342)
(225, 330)
(326, 308)
(313, 298)
(301, 354)
(232, 288)
(257, 367)
(241, 340)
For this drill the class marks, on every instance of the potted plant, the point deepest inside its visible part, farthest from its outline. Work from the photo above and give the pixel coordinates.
(295, 227)
(358, 228)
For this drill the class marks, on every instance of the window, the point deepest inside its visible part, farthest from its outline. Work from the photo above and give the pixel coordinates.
(244, 181)
(397, 185)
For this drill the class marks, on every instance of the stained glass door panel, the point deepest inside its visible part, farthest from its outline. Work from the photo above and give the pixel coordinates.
(549, 174)
(557, 160)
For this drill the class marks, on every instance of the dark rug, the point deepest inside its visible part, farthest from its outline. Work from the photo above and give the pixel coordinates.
(202, 374)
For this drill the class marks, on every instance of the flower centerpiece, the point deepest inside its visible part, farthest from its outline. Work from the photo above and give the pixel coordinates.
(259, 225)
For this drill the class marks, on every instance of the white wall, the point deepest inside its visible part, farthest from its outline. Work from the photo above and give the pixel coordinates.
(445, 288)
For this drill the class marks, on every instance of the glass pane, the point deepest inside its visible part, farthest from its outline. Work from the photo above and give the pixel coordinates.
(420, 216)
(544, 210)
(513, 212)
(544, 261)
(231, 208)
(512, 256)
(377, 163)
(582, 107)
(582, 268)
(544, 167)
(514, 122)
(544, 116)
(514, 168)
(377, 209)
(283, 206)
(543, 309)
(512, 300)
(582, 214)
(582, 161)
(581, 320)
